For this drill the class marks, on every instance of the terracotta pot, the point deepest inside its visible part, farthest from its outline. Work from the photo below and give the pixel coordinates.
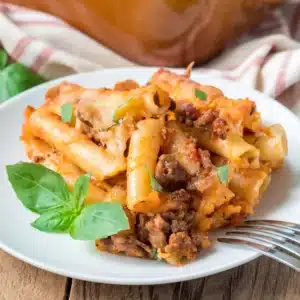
(160, 32)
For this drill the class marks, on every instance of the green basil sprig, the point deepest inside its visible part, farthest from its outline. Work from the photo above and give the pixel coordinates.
(153, 182)
(3, 59)
(155, 255)
(66, 111)
(223, 172)
(200, 95)
(59, 220)
(45, 192)
(99, 221)
(15, 78)
(39, 189)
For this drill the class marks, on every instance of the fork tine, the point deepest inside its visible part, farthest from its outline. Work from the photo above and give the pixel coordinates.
(283, 232)
(267, 249)
(277, 234)
(285, 243)
(290, 225)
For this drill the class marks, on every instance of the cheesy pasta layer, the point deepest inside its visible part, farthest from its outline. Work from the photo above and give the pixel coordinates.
(180, 157)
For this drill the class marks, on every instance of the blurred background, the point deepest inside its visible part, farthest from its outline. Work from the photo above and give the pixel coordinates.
(253, 41)
(160, 32)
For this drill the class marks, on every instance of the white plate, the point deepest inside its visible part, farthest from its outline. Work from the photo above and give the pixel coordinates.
(60, 254)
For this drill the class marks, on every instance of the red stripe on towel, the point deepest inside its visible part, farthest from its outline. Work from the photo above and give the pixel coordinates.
(280, 82)
(41, 59)
(20, 47)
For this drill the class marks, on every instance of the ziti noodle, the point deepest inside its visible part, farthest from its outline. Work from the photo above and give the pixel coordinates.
(181, 158)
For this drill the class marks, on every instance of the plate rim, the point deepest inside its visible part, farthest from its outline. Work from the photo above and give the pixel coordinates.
(134, 280)
(123, 280)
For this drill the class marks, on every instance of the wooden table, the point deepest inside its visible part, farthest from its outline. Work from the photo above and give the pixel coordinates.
(260, 279)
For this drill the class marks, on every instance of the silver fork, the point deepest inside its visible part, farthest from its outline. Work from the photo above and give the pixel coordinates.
(277, 239)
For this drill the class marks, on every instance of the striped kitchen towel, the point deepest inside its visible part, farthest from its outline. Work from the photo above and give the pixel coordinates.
(266, 58)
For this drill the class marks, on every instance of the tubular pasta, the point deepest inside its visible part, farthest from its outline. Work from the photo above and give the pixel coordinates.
(39, 151)
(63, 93)
(249, 185)
(76, 146)
(182, 89)
(222, 216)
(103, 107)
(143, 151)
(238, 114)
(272, 145)
(234, 147)
(212, 198)
(180, 157)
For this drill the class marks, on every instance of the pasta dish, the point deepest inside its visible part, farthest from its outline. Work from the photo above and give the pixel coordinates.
(180, 157)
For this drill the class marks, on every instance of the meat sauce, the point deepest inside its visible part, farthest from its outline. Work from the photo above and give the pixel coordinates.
(208, 120)
(173, 232)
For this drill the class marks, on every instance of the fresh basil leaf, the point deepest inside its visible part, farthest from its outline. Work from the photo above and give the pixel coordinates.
(222, 172)
(81, 189)
(16, 78)
(155, 185)
(39, 188)
(98, 221)
(66, 111)
(3, 59)
(155, 255)
(200, 95)
(55, 221)
(114, 119)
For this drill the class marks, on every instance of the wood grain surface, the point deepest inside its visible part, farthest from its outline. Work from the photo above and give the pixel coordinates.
(20, 281)
(259, 279)
(262, 278)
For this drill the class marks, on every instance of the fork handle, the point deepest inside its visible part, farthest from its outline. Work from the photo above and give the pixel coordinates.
(268, 250)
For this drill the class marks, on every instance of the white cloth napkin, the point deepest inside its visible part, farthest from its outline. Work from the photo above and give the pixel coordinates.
(266, 58)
